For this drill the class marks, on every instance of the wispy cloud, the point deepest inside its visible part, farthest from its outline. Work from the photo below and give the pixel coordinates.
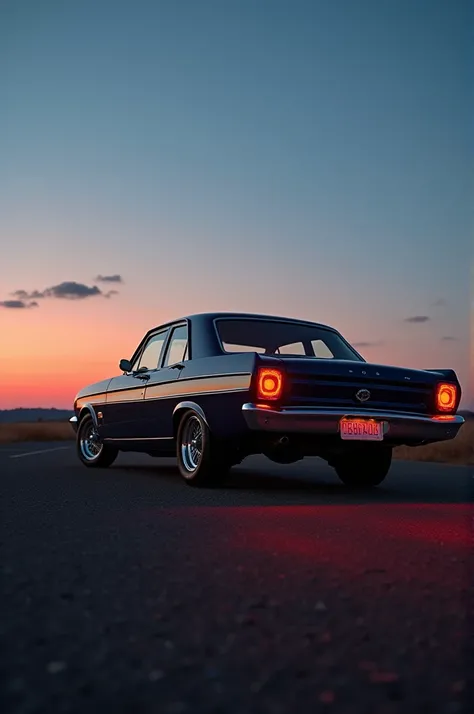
(417, 318)
(440, 302)
(449, 339)
(109, 279)
(25, 295)
(17, 304)
(67, 290)
(376, 343)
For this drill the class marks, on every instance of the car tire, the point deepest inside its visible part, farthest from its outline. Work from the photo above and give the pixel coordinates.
(91, 451)
(201, 458)
(364, 469)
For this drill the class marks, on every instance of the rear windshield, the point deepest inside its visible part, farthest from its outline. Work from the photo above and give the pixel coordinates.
(274, 337)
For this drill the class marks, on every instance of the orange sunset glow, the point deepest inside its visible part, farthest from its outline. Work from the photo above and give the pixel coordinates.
(57, 348)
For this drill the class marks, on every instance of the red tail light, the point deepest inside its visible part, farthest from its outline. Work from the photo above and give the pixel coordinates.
(269, 383)
(446, 397)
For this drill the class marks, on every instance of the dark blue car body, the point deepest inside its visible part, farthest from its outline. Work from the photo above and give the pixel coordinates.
(141, 409)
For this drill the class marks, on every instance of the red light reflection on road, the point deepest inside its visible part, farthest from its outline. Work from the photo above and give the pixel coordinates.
(350, 536)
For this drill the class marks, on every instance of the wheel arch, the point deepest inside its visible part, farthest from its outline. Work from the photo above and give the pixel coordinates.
(85, 410)
(183, 407)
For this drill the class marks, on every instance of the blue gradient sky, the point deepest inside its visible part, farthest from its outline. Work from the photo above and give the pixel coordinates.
(306, 158)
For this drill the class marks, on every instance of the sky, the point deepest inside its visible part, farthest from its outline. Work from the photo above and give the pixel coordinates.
(305, 158)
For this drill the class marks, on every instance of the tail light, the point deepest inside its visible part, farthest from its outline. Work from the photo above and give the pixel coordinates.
(269, 383)
(446, 397)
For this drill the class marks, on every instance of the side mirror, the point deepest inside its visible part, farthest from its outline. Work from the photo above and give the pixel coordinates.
(125, 365)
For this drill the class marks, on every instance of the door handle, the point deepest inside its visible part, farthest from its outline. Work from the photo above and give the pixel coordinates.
(145, 377)
(177, 366)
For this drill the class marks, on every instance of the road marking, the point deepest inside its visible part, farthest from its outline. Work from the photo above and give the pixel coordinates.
(41, 451)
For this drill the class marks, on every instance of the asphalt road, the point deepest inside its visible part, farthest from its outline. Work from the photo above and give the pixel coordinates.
(128, 591)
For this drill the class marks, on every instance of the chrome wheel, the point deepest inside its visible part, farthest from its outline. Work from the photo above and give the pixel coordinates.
(89, 442)
(191, 444)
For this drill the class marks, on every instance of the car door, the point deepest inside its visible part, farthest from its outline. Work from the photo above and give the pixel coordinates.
(123, 416)
(160, 391)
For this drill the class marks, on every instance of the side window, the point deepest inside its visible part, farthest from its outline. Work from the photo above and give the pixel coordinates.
(297, 348)
(178, 346)
(150, 357)
(321, 349)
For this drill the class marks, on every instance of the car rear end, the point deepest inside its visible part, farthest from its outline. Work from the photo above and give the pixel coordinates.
(313, 401)
(312, 390)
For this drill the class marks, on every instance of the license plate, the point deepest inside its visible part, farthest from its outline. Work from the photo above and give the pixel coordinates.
(361, 430)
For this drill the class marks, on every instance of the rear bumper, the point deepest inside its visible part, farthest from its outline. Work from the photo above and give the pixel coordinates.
(399, 427)
(74, 423)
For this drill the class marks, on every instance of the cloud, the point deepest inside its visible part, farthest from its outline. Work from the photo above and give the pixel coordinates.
(17, 304)
(449, 339)
(109, 279)
(417, 318)
(440, 302)
(24, 295)
(367, 344)
(68, 290)
(72, 291)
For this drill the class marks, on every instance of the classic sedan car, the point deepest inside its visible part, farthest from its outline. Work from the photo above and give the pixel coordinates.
(212, 389)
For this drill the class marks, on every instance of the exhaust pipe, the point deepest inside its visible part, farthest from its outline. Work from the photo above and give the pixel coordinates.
(281, 451)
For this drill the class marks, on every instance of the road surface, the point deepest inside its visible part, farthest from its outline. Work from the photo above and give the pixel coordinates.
(125, 590)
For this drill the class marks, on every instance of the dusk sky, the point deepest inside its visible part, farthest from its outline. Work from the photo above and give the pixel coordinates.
(305, 158)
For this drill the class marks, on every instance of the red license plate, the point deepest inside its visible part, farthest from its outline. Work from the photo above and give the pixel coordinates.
(361, 430)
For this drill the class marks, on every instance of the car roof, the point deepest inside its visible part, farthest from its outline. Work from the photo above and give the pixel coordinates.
(208, 316)
(205, 341)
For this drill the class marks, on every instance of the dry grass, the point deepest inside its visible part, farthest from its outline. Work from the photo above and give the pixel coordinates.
(457, 451)
(36, 431)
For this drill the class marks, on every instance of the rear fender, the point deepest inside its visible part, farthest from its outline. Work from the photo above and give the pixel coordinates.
(446, 373)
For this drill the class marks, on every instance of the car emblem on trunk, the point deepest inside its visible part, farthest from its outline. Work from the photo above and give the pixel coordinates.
(362, 395)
